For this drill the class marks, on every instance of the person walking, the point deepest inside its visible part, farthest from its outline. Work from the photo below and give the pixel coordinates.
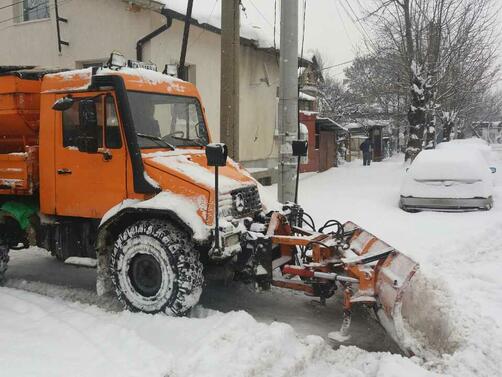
(366, 148)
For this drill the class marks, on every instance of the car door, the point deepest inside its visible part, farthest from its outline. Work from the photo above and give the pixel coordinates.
(89, 184)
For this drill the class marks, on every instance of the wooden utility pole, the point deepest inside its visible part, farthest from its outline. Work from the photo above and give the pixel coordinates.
(229, 100)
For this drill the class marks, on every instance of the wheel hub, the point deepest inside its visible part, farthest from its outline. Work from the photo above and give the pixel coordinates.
(145, 274)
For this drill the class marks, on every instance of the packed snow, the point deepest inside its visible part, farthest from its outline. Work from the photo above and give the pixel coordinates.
(460, 291)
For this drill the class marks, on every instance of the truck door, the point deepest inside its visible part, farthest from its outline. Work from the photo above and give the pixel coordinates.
(89, 184)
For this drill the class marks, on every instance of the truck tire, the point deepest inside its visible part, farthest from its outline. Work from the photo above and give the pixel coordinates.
(4, 260)
(155, 268)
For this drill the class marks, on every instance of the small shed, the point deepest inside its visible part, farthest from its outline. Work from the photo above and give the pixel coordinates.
(322, 142)
(363, 129)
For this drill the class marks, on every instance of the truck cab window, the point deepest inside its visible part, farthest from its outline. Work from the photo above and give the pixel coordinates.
(112, 129)
(71, 124)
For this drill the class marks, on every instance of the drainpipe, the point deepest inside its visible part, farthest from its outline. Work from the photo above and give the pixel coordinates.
(181, 69)
(153, 34)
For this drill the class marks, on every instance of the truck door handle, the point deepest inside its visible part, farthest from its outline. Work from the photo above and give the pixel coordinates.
(64, 171)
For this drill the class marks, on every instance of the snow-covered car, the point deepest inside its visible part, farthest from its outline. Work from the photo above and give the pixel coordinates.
(448, 179)
(473, 143)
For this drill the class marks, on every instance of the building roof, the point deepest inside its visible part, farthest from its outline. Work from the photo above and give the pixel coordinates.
(327, 124)
(255, 29)
(306, 97)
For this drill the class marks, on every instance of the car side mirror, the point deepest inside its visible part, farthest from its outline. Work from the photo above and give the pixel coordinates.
(493, 169)
(63, 104)
(87, 140)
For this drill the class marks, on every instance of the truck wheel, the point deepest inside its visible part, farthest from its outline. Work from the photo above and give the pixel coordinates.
(155, 268)
(4, 259)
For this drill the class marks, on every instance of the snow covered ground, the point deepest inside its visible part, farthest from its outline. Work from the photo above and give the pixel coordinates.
(459, 253)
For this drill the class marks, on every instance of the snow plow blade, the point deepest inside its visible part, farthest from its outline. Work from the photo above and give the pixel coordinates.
(367, 270)
(393, 277)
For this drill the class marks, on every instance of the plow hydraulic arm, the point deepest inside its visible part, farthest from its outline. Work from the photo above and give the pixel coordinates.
(367, 270)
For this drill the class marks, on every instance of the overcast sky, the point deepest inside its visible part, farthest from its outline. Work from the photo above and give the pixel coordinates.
(331, 27)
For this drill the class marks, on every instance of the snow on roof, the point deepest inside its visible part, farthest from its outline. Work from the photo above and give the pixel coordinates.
(449, 164)
(306, 97)
(254, 25)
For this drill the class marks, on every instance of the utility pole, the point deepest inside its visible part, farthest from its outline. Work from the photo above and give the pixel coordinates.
(288, 100)
(229, 100)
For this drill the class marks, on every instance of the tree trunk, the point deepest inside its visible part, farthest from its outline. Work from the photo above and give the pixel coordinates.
(416, 116)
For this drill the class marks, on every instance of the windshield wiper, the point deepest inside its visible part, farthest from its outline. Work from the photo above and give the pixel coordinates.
(194, 141)
(159, 140)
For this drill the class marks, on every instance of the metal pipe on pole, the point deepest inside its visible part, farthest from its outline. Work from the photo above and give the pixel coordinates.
(229, 98)
(288, 100)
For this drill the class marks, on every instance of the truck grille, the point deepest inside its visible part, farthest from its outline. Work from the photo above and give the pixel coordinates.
(245, 202)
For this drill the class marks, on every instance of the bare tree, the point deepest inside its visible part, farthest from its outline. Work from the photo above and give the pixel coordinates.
(447, 54)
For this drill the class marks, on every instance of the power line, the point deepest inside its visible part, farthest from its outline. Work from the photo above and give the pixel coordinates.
(49, 7)
(12, 5)
(203, 29)
(261, 14)
(338, 65)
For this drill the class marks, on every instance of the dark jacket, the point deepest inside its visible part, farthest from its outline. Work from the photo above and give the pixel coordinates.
(365, 146)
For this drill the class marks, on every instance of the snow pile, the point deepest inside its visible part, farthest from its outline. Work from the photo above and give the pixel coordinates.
(448, 173)
(459, 295)
(68, 339)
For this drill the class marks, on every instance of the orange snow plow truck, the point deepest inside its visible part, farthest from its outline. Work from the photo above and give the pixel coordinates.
(114, 168)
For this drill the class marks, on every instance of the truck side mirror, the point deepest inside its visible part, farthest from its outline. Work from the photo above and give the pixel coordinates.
(300, 148)
(87, 140)
(216, 154)
(63, 104)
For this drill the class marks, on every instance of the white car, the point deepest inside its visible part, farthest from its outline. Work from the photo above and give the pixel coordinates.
(448, 179)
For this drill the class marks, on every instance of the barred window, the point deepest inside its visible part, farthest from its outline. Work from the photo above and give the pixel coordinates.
(35, 9)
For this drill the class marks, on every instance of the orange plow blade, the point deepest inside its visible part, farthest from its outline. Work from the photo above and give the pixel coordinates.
(393, 276)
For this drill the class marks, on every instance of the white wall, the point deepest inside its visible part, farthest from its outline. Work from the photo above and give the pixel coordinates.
(97, 27)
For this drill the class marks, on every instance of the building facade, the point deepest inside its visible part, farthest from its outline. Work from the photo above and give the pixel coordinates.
(95, 28)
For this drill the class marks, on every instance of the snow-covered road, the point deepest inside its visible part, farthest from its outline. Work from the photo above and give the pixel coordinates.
(42, 335)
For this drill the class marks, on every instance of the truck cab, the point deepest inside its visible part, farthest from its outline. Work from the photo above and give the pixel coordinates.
(112, 167)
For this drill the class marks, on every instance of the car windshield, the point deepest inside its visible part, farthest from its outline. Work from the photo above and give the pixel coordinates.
(167, 121)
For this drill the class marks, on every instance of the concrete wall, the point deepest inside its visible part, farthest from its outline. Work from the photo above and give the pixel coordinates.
(98, 27)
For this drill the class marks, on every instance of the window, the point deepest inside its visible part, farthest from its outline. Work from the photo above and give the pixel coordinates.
(108, 122)
(35, 10)
(112, 129)
(71, 124)
(176, 120)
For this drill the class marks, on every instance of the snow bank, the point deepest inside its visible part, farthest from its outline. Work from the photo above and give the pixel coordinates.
(458, 300)
(50, 337)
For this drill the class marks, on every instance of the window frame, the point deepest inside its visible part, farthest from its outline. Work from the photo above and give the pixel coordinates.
(24, 11)
(200, 107)
(102, 118)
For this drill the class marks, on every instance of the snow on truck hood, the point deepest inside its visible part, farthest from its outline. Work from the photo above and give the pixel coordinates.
(191, 165)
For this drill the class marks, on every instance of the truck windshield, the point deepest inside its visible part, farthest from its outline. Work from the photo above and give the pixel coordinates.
(165, 120)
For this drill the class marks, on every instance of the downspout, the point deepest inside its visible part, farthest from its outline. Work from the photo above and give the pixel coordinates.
(153, 34)
(184, 43)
